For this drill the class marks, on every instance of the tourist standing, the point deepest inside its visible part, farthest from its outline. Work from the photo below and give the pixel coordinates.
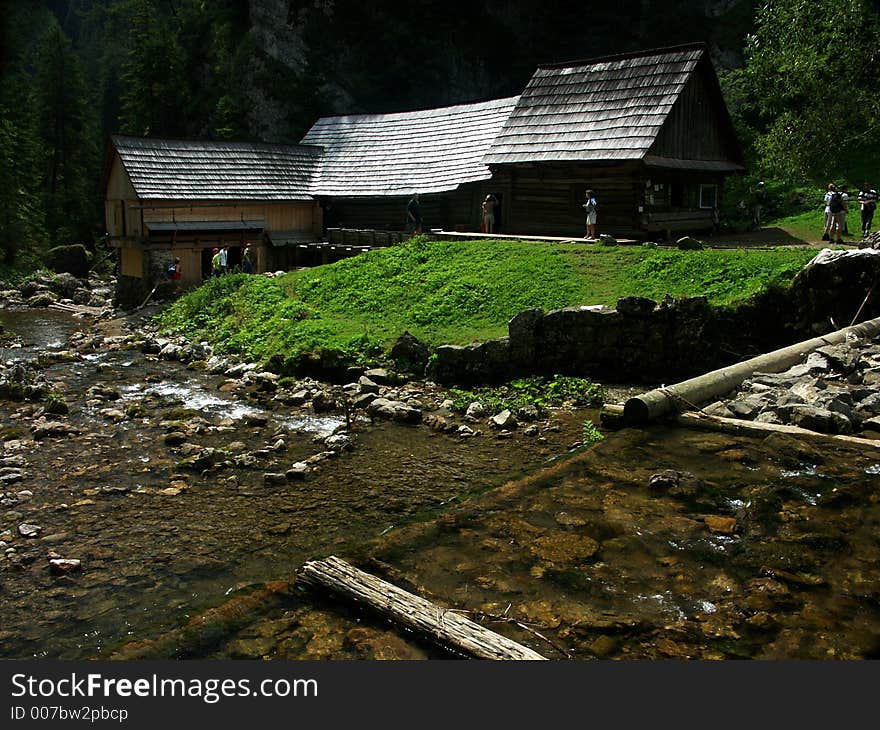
(844, 196)
(826, 233)
(224, 260)
(837, 215)
(414, 215)
(759, 202)
(590, 204)
(488, 212)
(867, 205)
(247, 265)
(215, 262)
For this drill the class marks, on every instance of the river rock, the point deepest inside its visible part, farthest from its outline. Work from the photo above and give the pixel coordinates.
(274, 478)
(236, 371)
(42, 429)
(171, 351)
(365, 385)
(723, 525)
(364, 400)
(322, 402)
(113, 414)
(27, 529)
(394, 410)
(10, 475)
(564, 547)
(298, 471)
(339, 442)
(475, 411)
(63, 566)
(504, 420)
(675, 483)
(217, 365)
(380, 376)
(43, 299)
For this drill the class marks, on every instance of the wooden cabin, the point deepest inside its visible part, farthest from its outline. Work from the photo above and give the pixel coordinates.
(173, 198)
(647, 132)
(373, 163)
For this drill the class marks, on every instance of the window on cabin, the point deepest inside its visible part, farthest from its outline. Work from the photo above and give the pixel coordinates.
(708, 196)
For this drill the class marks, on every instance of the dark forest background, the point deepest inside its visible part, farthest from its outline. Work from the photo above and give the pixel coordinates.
(800, 78)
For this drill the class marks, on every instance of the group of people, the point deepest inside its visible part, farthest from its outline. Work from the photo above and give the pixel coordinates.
(220, 261)
(488, 214)
(837, 206)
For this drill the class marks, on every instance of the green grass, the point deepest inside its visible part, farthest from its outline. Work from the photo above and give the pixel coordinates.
(454, 292)
(808, 226)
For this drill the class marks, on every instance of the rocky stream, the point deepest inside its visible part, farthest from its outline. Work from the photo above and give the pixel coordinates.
(157, 501)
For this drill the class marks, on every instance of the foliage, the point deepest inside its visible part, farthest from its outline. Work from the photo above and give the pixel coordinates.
(811, 75)
(453, 293)
(590, 434)
(541, 392)
(67, 132)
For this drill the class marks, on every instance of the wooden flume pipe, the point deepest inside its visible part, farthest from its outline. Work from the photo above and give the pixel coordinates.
(691, 393)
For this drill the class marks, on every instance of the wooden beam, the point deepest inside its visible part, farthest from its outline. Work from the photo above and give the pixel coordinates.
(440, 625)
(695, 419)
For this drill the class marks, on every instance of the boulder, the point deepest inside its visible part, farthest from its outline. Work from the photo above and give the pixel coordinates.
(73, 259)
(636, 306)
(410, 353)
(688, 243)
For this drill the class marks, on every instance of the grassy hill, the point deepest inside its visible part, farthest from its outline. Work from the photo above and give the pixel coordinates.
(454, 292)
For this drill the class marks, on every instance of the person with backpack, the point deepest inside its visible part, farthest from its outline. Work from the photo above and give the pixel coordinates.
(174, 270)
(867, 204)
(833, 214)
(589, 207)
(837, 211)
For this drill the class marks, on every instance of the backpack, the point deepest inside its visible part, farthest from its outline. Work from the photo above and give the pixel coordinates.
(835, 205)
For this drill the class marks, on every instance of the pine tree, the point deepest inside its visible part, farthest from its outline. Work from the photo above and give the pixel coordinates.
(68, 135)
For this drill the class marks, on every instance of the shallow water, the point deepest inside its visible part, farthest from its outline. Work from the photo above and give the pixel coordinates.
(151, 559)
(770, 551)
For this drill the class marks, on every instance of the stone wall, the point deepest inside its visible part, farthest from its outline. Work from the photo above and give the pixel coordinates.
(639, 340)
(644, 341)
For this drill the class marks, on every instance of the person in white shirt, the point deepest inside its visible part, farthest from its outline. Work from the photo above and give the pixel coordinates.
(867, 204)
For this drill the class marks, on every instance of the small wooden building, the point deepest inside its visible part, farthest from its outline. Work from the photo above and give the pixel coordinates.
(373, 163)
(648, 132)
(174, 198)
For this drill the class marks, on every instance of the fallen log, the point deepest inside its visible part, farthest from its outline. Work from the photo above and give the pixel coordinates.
(76, 308)
(440, 625)
(690, 394)
(695, 419)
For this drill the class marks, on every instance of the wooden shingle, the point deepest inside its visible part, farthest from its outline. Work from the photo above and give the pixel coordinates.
(429, 151)
(162, 169)
(595, 111)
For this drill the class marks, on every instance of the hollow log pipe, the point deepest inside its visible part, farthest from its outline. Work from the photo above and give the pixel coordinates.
(690, 394)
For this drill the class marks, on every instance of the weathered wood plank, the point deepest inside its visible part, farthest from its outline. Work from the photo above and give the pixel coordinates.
(694, 419)
(436, 623)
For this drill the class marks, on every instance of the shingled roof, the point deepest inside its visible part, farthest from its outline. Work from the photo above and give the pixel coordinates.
(429, 151)
(162, 169)
(601, 110)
